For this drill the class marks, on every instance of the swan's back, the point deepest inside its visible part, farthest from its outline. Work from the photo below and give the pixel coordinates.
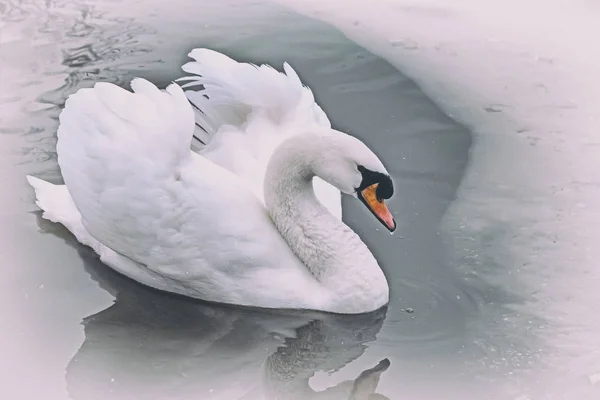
(141, 192)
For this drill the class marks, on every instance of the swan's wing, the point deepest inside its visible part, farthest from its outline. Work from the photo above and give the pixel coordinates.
(230, 91)
(243, 112)
(126, 161)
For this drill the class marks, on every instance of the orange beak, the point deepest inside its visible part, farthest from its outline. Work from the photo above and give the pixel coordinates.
(377, 206)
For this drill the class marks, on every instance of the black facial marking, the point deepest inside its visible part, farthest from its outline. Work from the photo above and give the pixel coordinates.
(385, 190)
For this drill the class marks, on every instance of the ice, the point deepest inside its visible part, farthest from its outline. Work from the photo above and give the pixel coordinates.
(523, 76)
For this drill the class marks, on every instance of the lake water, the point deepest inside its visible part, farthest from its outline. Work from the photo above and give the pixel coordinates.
(496, 208)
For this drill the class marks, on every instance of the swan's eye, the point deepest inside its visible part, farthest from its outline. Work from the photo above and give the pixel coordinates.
(385, 187)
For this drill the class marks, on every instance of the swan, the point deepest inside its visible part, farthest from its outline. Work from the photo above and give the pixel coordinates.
(225, 188)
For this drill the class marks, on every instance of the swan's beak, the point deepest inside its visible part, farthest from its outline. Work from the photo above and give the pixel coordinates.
(377, 206)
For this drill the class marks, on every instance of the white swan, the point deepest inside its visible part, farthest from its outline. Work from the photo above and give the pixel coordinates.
(238, 222)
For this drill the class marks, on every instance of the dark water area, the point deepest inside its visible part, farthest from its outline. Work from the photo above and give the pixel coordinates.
(80, 330)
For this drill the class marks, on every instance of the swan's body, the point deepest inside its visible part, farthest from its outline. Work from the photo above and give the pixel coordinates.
(238, 222)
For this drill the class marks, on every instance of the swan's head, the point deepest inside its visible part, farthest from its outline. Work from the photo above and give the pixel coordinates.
(349, 165)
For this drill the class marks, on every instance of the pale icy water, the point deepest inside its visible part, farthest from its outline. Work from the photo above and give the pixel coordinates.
(72, 328)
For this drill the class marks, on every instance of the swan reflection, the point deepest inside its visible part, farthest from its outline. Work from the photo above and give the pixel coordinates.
(151, 345)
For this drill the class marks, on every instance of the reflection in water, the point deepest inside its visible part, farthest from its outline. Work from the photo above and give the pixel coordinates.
(150, 344)
(285, 380)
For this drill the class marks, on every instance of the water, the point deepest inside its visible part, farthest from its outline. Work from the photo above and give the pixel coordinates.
(477, 262)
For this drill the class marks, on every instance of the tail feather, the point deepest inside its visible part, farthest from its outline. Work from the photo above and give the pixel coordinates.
(54, 200)
(57, 205)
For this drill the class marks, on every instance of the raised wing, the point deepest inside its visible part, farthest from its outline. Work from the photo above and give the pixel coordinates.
(126, 161)
(243, 112)
(231, 93)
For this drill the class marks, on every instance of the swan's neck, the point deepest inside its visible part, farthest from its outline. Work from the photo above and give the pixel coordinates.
(334, 253)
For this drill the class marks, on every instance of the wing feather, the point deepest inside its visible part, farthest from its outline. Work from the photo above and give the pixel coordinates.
(244, 111)
(126, 160)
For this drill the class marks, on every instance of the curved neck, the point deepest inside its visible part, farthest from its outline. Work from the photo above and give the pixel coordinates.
(333, 253)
